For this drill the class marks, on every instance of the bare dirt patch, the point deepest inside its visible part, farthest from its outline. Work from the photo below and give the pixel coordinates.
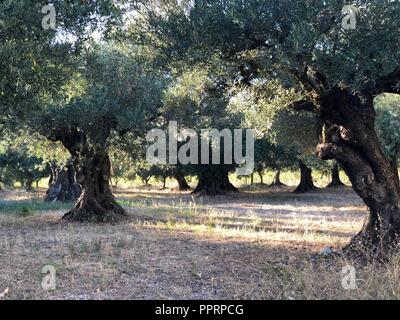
(253, 245)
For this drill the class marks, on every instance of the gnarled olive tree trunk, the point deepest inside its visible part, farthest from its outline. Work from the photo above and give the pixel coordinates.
(306, 182)
(62, 184)
(335, 178)
(213, 183)
(96, 202)
(93, 172)
(350, 138)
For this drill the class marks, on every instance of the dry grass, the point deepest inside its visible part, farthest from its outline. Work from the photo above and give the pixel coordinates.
(255, 245)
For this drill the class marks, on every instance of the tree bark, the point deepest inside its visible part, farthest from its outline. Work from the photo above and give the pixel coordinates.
(276, 182)
(335, 181)
(350, 138)
(62, 184)
(96, 203)
(306, 183)
(182, 183)
(214, 183)
(28, 185)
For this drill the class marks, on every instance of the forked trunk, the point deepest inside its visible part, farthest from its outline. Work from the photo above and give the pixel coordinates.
(351, 139)
(306, 182)
(214, 183)
(96, 203)
(335, 181)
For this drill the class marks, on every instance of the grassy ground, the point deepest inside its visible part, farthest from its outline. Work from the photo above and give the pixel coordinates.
(259, 244)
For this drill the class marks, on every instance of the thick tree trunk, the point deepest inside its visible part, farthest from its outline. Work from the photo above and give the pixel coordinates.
(306, 183)
(350, 138)
(214, 183)
(28, 185)
(62, 184)
(96, 203)
(182, 183)
(276, 182)
(252, 179)
(335, 181)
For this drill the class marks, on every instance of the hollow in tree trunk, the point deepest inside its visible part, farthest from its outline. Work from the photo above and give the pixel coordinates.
(276, 182)
(335, 181)
(62, 184)
(213, 183)
(306, 182)
(96, 203)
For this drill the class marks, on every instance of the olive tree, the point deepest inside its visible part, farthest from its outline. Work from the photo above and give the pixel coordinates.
(338, 70)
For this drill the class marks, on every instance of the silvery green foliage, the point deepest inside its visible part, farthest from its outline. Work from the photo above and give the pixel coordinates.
(114, 90)
(387, 124)
(265, 107)
(35, 62)
(289, 35)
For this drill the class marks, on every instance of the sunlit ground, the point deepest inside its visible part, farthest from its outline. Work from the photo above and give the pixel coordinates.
(258, 244)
